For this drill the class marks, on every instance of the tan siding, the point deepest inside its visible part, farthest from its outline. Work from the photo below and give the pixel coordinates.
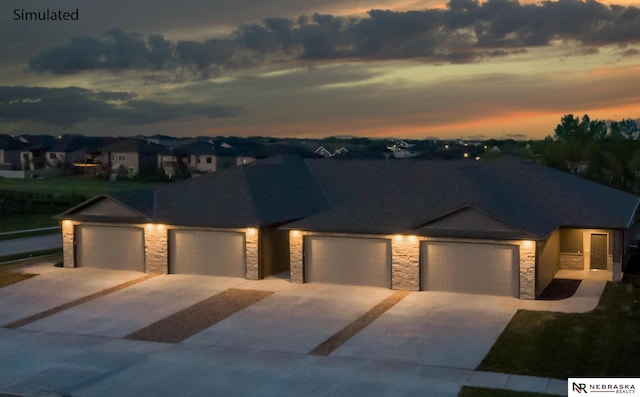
(548, 259)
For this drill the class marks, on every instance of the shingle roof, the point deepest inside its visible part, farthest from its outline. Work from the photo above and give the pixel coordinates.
(399, 196)
(388, 197)
(273, 192)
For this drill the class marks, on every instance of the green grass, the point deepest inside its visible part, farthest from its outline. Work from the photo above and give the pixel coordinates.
(71, 185)
(26, 221)
(602, 343)
(482, 392)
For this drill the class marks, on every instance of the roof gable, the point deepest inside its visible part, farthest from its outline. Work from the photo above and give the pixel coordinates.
(104, 208)
(468, 219)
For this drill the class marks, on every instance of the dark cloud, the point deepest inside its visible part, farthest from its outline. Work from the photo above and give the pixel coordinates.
(466, 31)
(72, 105)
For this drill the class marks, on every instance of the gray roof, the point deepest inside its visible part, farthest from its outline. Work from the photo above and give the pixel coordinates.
(274, 192)
(403, 196)
(516, 199)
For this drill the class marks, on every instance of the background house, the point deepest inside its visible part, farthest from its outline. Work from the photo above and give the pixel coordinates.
(202, 156)
(130, 157)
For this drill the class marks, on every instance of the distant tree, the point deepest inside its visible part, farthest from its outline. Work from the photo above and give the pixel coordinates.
(629, 129)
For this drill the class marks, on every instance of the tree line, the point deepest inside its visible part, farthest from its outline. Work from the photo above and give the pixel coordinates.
(606, 152)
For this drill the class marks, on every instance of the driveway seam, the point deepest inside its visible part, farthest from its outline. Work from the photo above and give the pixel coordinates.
(348, 332)
(77, 302)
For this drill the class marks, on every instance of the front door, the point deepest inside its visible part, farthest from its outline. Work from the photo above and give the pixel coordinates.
(599, 252)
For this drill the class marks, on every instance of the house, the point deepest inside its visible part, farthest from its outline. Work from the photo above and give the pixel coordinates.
(206, 156)
(130, 157)
(10, 149)
(32, 156)
(502, 227)
(71, 150)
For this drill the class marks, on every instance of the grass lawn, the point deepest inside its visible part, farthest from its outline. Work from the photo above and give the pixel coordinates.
(31, 221)
(602, 343)
(8, 278)
(71, 185)
(467, 391)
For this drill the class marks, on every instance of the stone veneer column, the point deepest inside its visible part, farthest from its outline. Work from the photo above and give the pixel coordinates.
(405, 263)
(155, 249)
(251, 241)
(296, 256)
(68, 253)
(527, 269)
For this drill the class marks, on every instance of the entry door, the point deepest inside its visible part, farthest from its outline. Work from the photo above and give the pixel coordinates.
(599, 251)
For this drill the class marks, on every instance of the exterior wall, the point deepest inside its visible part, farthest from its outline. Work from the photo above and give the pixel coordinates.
(68, 252)
(575, 248)
(405, 263)
(527, 269)
(296, 257)
(156, 246)
(251, 247)
(130, 162)
(548, 258)
(405, 259)
(274, 251)
(199, 162)
(571, 261)
(155, 249)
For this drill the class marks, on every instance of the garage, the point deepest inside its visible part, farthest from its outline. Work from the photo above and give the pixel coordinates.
(490, 269)
(211, 253)
(342, 260)
(110, 247)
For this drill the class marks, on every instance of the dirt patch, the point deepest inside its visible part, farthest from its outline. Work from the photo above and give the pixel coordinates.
(348, 332)
(190, 321)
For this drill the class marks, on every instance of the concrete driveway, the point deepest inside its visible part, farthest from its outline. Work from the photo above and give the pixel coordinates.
(295, 319)
(434, 328)
(123, 312)
(54, 287)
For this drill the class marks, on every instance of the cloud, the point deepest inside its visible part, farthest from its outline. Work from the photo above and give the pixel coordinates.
(466, 31)
(72, 105)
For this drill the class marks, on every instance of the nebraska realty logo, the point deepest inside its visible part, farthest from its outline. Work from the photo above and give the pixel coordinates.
(602, 386)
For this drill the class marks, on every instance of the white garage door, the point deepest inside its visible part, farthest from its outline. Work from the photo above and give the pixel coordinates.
(107, 247)
(210, 253)
(356, 261)
(472, 268)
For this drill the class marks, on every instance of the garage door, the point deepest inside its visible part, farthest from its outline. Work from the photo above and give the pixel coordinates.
(357, 261)
(207, 252)
(107, 247)
(472, 268)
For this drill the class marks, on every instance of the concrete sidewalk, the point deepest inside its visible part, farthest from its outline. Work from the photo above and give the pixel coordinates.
(35, 363)
(30, 244)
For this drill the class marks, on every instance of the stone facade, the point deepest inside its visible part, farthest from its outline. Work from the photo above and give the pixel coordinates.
(296, 256)
(155, 249)
(405, 263)
(68, 253)
(571, 261)
(251, 249)
(527, 269)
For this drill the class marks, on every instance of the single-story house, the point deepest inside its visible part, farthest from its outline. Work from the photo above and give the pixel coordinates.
(502, 227)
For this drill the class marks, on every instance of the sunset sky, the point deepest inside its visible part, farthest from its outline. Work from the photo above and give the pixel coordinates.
(282, 68)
